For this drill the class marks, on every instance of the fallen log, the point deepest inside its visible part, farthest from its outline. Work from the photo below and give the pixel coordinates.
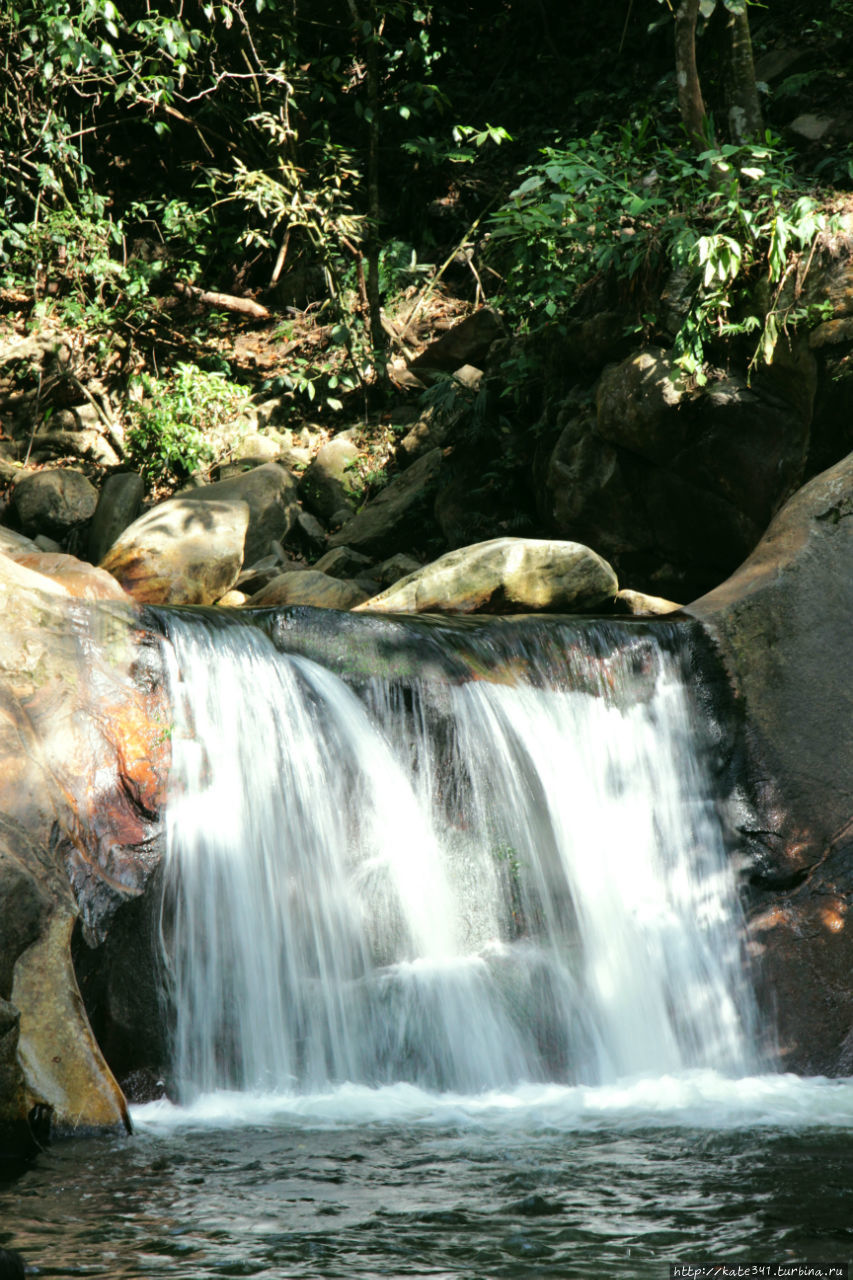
(226, 301)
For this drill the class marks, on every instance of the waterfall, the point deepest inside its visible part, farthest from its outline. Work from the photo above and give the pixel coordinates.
(500, 863)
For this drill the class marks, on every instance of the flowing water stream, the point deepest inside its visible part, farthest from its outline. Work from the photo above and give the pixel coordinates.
(455, 956)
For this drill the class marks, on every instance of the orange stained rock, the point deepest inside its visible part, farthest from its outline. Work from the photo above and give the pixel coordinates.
(138, 730)
(770, 920)
(81, 580)
(832, 917)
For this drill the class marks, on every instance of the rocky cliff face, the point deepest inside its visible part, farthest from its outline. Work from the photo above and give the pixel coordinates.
(782, 626)
(83, 758)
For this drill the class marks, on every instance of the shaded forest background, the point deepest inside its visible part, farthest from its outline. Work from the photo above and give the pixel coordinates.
(231, 201)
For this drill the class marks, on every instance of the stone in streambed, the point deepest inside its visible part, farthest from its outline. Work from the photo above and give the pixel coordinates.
(504, 575)
(182, 552)
(268, 491)
(308, 587)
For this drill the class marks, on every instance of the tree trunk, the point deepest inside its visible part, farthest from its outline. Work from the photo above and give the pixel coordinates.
(690, 101)
(377, 333)
(745, 122)
(363, 14)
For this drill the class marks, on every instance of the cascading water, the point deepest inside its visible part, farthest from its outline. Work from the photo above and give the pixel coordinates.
(507, 870)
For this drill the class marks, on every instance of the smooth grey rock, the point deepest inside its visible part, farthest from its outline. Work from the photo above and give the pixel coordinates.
(308, 587)
(86, 444)
(12, 541)
(119, 504)
(54, 502)
(504, 575)
(637, 604)
(468, 342)
(268, 491)
(181, 552)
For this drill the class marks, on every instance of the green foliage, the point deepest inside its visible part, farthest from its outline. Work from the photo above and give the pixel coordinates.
(176, 420)
(632, 208)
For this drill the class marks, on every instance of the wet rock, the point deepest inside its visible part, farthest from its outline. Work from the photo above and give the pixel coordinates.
(268, 491)
(400, 511)
(781, 624)
(182, 552)
(83, 761)
(504, 575)
(308, 587)
(54, 501)
(329, 485)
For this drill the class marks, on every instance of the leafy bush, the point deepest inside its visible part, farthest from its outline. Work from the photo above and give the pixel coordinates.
(178, 420)
(634, 209)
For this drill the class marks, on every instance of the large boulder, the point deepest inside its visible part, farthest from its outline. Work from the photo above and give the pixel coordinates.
(504, 575)
(84, 752)
(270, 494)
(782, 625)
(400, 512)
(181, 552)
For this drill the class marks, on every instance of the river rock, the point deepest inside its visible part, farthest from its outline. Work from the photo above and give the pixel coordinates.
(308, 587)
(395, 568)
(504, 575)
(54, 501)
(782, 625)
(119, 504)
(181, 552)
(398, 512)
(268, 491)
(328, 485)
(81, 580)
(343, 562)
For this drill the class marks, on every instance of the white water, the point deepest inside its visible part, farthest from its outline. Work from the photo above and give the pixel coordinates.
(689, 1100)
(509, 895)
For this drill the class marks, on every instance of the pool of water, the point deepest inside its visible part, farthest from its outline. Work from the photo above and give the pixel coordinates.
(550, 1181)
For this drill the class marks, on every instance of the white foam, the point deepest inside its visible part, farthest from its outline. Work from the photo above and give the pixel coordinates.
(695, 1099)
